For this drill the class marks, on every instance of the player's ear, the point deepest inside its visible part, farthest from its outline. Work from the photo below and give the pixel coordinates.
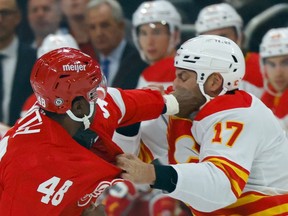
(217, 81)
(213, 85)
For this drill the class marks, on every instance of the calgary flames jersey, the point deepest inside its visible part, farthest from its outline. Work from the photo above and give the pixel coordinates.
(243, 154)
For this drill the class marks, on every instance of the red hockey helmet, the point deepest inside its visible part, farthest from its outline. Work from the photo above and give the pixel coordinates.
(63, 74)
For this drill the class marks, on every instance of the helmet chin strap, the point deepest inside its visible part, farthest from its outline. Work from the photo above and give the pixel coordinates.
(85, 119)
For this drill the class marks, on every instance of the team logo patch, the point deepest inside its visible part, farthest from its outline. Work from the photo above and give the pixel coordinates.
(58, 101)
(102, 186)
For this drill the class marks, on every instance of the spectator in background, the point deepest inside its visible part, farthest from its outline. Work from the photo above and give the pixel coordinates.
(119, 60)
(74, 16)
(44, 17)
(222, 19)
(16, 63)
(274, 65)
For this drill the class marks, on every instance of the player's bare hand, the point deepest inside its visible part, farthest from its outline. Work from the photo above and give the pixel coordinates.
(136, 170)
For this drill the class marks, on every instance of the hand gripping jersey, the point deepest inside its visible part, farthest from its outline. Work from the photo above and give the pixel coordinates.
(43, 171)
(243, 159)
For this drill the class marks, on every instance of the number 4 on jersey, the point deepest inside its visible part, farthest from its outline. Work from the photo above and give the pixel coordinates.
(48, 188)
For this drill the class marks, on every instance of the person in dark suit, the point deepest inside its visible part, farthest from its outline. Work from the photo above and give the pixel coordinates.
(120, 61)
(16, 63)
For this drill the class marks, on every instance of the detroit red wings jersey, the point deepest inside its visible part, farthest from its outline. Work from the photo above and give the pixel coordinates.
(30, 101)
(120, 108)
(68, 175)
(243, 155)
(43, 171)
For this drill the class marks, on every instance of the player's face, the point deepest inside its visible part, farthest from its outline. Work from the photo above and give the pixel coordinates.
(187, 79)
(104, 30)
(154, 39)
(276, 69)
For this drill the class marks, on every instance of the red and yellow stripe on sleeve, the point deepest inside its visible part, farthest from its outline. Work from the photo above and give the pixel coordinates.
(249, 203)
(254, 204)
(236, 174)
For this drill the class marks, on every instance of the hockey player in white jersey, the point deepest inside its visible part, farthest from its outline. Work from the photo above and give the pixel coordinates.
(243, 151)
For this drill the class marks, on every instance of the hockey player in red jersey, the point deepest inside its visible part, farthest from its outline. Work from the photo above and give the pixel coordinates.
(43, 170)
(242, 149)
(274, 62)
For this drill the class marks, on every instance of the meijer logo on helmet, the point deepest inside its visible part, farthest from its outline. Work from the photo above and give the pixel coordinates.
(75, 67)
